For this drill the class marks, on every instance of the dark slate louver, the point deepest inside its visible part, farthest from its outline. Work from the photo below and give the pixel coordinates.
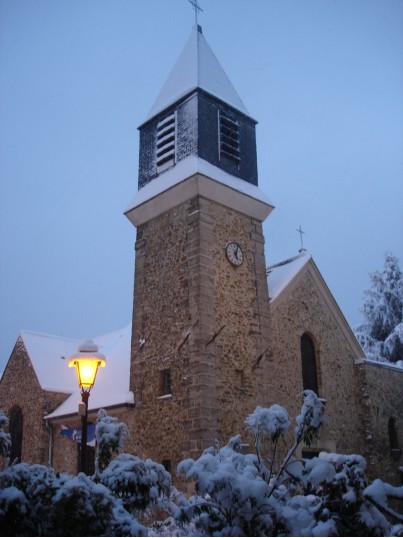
(229, 138)
(166, 143)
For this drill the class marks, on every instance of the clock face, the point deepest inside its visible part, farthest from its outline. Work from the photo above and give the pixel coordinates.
(234, 253)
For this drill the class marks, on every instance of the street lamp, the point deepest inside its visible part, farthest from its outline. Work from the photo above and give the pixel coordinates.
(87, 360)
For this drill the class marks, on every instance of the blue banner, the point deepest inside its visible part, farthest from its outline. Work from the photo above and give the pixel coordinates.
(75, 434)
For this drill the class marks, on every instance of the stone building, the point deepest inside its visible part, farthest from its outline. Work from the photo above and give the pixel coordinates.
(214, 332)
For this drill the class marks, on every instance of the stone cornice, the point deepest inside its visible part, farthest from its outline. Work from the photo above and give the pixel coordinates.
(199, 185)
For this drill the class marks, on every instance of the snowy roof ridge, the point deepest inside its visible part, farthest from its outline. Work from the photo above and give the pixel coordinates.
(285, 262)
(46, 335)
(48, 355)
(282, 273)
(196, 67)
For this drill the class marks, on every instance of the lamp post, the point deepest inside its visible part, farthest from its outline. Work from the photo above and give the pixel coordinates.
(87, 360)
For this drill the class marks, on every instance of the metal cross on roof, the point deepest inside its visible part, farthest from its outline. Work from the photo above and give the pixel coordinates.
(300, 231)
(196, 8)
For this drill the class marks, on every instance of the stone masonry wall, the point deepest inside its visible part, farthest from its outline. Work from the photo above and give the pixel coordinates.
(384, 387)
(304, 310)
(205, 321)
(20, 386)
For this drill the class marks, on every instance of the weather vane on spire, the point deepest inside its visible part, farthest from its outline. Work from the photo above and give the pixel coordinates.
(299, 230)
(196, 8)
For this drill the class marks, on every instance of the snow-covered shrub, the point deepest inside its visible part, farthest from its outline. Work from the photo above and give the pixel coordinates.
(36, 485)
(14, 510)
(232, 499)
(5, 438)
(171, 527)
(310, 419)
(272, 422)
(236, 495)
(381, 336)
(137, 482)
(338, 482)
(110, 435)
(80, 507)
(34, 501)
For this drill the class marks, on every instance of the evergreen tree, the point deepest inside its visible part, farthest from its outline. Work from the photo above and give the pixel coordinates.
(5, 439)
(381, 337)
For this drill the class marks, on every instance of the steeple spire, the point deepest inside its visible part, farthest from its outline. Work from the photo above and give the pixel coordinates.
(196, 67)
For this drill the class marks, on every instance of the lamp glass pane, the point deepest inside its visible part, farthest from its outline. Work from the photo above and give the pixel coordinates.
(86, 371)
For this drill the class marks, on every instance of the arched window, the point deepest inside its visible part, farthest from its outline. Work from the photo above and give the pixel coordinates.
(309, 370)
(15, 427)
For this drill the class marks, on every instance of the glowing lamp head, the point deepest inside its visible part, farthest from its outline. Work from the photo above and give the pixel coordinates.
(87, 361)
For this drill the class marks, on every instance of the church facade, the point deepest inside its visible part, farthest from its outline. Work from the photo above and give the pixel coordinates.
(214, 331)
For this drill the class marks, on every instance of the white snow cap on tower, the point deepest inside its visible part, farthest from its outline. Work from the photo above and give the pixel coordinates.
(196, 67)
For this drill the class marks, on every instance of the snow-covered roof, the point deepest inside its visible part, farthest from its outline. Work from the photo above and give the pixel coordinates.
(196, 67)
(283, 276)
(48, 355)
(282, 273)
(112, 385)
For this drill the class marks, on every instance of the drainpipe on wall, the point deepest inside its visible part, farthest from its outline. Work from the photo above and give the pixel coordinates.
(50, 449)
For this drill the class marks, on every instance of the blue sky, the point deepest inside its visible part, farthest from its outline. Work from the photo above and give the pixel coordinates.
(324, 79)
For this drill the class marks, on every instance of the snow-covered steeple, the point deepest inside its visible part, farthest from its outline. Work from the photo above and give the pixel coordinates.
(196, 67)
(197, 128)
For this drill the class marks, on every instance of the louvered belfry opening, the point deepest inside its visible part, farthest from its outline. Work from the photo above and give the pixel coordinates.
(229, 138)
(166, 142)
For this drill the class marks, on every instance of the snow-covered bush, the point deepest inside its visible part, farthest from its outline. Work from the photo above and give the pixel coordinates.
(80, 507)
(110, 435)
(238, 494)
(36, 485)
(138, 483)
(231, 498)
(235, 493)
(270, 422)
(381, 336)
(34, 501)
(5, 438)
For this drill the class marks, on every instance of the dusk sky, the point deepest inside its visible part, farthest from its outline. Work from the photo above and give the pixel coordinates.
(323, 78)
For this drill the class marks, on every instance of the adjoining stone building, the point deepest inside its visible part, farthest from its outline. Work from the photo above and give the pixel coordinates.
(214, 333)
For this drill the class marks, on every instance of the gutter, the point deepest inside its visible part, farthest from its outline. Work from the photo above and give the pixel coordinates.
(50, 447)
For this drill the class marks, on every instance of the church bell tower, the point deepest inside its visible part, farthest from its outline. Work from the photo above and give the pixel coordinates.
(201, 335)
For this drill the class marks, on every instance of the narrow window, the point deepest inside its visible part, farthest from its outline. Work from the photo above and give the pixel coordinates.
(166, 142)
(15, 427)
(239, 379)
(393, 441)
(229, 138)
(309, 370)
(166, 382)
(309, 454)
